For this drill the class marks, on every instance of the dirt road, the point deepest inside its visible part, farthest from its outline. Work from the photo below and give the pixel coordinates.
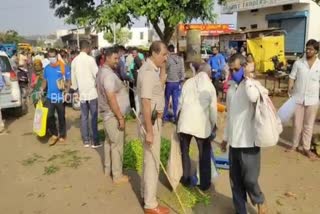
(38, 179)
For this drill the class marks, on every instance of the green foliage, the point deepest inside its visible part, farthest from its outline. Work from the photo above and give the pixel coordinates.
(130, 116)
(133, 159)
(165, 151)
(101, 135)
(224, 1)
(192, 196)
(31, 160)
(168, 12)
(67, 158)
(133, 155)
(122, 36)
(51, 169)
(10, 36)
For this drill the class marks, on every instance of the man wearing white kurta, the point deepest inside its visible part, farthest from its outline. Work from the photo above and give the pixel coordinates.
(304, 86)
(244, 156)
(197, 118)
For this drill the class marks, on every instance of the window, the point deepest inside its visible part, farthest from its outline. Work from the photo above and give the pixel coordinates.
(141, 35)
(287, 7)
(5, 64)
(130, 35)
(255, 26)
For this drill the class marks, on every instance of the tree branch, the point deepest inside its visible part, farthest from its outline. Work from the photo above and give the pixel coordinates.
(156, 27)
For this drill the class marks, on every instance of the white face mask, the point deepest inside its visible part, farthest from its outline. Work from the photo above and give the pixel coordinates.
(53, 60)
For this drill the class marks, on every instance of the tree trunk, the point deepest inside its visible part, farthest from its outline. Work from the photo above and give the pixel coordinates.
(166, 35)
(168, 32)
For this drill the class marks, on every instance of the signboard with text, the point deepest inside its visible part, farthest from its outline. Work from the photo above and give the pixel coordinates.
(243, 5)
(206, 29)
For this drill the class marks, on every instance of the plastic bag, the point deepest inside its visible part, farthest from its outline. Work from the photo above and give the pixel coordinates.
(40, 119)
(174, 167)
(214, 171)
(287, 110)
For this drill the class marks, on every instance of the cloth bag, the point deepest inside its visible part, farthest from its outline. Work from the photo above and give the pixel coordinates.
(40, 119)
(174, 167)
(267, 123)
(287, 110)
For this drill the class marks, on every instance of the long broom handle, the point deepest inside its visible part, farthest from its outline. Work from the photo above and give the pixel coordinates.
(162, 166)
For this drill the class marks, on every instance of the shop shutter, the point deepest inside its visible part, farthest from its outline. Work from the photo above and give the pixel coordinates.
(295, 38)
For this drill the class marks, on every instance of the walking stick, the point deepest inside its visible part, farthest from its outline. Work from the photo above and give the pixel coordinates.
(162, 166)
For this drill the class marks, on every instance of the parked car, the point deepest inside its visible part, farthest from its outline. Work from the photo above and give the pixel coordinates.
(11, 96)
(206, 52)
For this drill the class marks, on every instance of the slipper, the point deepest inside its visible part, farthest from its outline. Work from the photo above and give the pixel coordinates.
(53, 140)
(310, 155)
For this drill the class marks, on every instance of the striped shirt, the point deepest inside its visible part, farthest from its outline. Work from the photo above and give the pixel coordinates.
(175, 68)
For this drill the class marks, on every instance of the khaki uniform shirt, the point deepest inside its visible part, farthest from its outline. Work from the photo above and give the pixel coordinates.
(149, 86)
(108, 81)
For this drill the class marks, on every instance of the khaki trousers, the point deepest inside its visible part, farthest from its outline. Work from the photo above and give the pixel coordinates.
(151, 164)
(113, 148)
(304, 119)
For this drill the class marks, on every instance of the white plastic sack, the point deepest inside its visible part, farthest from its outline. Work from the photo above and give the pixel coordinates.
(214, 171)
(287, 110)
(174, 167)
(267, 123)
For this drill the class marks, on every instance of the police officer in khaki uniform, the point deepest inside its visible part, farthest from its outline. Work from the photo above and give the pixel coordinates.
(150, 88)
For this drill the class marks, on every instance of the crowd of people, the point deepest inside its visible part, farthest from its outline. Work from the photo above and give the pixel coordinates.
(111, 82)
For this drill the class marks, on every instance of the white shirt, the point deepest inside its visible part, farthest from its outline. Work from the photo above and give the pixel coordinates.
(83, 76)
(239, 131)
(198, 107)
(45, 62)
(306, 85)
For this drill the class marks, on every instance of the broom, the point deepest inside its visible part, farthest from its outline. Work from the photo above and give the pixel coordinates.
(162, 166)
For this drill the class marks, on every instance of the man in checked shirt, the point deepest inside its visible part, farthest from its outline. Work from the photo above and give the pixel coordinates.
(175, 77)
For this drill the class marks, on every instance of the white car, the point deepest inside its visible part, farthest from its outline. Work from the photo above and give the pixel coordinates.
(205, 53)
(10, 95)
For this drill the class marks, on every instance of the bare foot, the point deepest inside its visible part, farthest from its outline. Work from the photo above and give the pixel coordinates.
(262, 209)
(310, 155)
(121, 180)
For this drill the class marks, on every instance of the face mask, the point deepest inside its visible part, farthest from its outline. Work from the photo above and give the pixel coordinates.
(53, 60)
(238, 76)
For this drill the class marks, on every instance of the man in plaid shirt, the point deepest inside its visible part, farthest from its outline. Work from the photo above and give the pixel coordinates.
(175, 76)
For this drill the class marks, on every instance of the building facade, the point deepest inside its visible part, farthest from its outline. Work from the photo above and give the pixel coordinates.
(298, 18)
(139, 37)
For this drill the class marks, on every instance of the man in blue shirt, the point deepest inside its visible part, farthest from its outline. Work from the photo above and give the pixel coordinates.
(56, 78)
(217, 63)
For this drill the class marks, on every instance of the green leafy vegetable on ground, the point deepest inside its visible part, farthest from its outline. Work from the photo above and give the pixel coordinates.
(133, 159)
(31, 160)
(51, 169)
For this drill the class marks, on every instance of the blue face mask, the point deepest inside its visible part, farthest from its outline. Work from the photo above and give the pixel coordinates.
(238, 76)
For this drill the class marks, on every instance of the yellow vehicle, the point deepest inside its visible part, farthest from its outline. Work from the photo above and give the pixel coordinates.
(25, 47)
(267, 51)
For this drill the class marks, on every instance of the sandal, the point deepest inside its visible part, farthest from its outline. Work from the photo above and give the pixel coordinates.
(310, 155)
(291, 149)
(53, 140)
